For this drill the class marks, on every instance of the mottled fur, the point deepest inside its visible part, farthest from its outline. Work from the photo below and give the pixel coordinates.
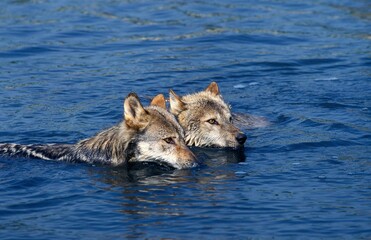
(206, 119)
(145, 134)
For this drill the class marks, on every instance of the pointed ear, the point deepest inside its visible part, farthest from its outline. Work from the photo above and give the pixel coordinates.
(176, 104)
(159, 101)
(213, 89)
(134, 113)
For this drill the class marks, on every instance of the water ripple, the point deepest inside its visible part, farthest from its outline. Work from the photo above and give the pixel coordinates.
(66, 67)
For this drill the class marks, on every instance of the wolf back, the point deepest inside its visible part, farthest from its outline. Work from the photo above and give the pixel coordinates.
(145, 134)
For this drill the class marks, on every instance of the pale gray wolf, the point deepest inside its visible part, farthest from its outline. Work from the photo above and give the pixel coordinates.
(206, 119)
(145, 134)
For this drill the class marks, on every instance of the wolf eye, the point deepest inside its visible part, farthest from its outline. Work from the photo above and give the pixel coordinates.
(212, 121)
(169, 140)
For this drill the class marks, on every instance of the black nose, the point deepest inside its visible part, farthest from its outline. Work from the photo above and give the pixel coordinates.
(241, 138)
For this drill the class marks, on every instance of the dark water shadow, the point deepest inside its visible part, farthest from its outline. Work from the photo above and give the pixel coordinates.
(146, 191)
(150, 173)
(132, 174)
(212, 157)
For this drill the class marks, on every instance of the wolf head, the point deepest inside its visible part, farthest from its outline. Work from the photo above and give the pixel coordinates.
(206, 119)
(157, 135)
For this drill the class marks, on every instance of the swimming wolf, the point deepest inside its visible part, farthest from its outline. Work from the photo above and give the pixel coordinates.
(206, 119)
(145, 134)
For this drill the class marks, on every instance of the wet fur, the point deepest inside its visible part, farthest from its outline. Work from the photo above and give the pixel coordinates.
(120, 144)
(194, 112)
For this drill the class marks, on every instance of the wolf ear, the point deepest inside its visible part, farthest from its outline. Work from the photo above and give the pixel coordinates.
(159, 101)
(213, 89)
(134, 113)
(176, 104)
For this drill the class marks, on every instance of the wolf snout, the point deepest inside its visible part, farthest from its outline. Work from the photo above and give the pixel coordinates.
(241, 138)
(187, 163)
(188, 159)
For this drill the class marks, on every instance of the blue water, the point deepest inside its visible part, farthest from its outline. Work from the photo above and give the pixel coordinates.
(66, 66)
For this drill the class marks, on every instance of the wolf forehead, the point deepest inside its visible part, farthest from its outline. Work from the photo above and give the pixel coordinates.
(209, 104)
(164, 122)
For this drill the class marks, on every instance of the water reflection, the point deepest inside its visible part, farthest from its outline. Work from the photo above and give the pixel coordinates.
(161, 175)
(213, 157)
(148, 194)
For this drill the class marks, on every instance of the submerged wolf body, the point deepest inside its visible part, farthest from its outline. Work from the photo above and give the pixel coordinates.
(145, 134)
(206, 119)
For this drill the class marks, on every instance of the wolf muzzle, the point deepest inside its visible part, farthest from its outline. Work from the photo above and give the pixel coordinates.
(241, 138)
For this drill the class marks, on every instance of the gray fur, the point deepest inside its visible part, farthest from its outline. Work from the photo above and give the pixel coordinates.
(107, 147)
(143, 135)
(206, 119)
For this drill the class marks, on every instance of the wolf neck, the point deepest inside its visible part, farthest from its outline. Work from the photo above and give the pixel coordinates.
(110, 145)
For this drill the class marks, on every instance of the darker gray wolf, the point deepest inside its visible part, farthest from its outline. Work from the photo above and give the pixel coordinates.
(145, 134)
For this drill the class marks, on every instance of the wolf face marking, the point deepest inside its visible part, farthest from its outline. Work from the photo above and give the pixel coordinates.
(145, 134)
(206, 119)
(163, 138)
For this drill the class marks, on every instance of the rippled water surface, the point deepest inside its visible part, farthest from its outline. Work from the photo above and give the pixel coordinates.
(66, 66)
